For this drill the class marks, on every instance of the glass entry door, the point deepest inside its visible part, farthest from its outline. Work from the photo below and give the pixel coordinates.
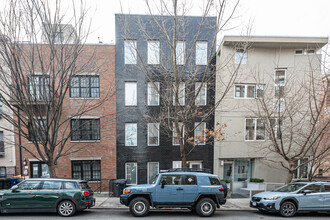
(228, 171)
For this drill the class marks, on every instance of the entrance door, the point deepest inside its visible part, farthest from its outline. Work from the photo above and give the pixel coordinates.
(228, 171)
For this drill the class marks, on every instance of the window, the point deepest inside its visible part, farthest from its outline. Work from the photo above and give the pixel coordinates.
(202, 95)
(153, 170)
(130, 134)
(177, 164)
(200, 133)
(249, 91)
(214, 181)
(242, 170)
(59, 37)
(180, 52)
(29, 185)
(153, 52)
(153, 95)
(51, 185)
(37, 129)
(299, 52)
(240, 56)
(153, 134)
(176, 140)
(85, 87)
(2, 172)
(190, 180)
(171, 180)
(39, 87)
(39, 170)
(314, 188)
(130, 93)
(277, 128)
(130, 52)
(2, 143)
(70, 185)
(310, 51)
(280, 76)
(85, 129)
(327, 188)
(131, 173)
(201, 53)
(181, 94)
(302, 172)
(86, 169)
(254, 129)
(279, 92)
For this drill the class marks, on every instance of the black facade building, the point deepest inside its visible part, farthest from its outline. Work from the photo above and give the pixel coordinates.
(143, 149)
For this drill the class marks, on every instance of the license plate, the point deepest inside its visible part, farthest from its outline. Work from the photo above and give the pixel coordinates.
(254, 203)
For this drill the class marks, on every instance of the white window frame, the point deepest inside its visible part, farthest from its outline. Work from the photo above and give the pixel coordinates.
(191, 163)
(285, 73)
(157, 125)
(127, 97)
(204, 87)
(176, 164)
(308, 53)
(183, 97)
(298, 170)
(126, 135)
(150, 87)
(299, 54)
(255, 129)
(174, 131)
(136, 174)
(195, 135)
(202, 60)
(153, 52)
(242, 59)
(130, 47)
(149, 168)
(182, 55)
(246, 89)
(276, 127)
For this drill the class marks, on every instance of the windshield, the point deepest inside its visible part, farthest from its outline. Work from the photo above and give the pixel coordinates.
(291, 187)
(155, 179)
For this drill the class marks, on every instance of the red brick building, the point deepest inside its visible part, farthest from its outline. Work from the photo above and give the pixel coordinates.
(94, 142)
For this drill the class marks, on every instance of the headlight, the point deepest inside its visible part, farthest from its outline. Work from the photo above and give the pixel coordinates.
(272, 198)
(127, 191)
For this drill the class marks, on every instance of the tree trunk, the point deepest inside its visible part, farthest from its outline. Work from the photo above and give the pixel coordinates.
(52, 170)
(289, 177)
(183, 156)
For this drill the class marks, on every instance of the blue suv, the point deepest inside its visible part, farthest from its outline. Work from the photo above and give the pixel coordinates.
(197, 191)
(293, 197)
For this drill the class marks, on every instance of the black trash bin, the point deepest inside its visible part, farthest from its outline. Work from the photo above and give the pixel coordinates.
(118, 186)
(1, 183)
(6, 184)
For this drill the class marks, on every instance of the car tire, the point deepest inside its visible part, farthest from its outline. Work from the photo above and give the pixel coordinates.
(139, 207)
(288, 209)
(66, 208)
(205, 207)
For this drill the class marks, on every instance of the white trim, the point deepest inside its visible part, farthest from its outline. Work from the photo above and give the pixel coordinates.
(85, 117)
(245, 53)
(285, 70)
(180, 124)
(136, 174)
(126, 97)
(126, 135)
(86, 141)
(179, 42)
(255, 130)
(179, 91)
(200, 163)
(157, 125)
(302, 52)
(148, 170)
(132, 43)
(177, 161)
(87, 74)
(245, 90)
(204, 62)
(149, 56)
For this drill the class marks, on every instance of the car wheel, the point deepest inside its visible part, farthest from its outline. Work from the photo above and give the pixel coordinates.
(66, 208)
(139, 207)
(205, 207)
(288, 209)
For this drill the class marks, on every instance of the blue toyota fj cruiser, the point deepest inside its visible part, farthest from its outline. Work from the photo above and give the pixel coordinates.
(197, 191)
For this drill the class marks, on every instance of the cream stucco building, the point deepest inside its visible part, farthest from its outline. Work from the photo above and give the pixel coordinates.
(243, 152)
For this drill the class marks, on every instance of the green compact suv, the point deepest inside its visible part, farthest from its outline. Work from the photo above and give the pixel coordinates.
(64, 196)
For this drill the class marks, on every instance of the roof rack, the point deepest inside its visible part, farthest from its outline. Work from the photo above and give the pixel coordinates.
(201, 170)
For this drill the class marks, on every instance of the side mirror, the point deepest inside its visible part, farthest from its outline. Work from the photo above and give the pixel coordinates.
(14, 188)
(307, 192)
(163, 183)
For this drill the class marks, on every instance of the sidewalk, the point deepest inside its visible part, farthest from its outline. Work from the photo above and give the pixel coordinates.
(105, 202)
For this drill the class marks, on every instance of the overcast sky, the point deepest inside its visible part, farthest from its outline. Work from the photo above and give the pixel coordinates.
(268, 17)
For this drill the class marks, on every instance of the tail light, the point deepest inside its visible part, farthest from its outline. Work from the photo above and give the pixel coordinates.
(221, 189)
(86, 193)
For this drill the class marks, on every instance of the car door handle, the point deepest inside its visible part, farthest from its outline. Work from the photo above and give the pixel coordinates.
(179, 188)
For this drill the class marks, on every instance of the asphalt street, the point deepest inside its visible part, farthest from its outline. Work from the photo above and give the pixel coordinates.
(164, 214)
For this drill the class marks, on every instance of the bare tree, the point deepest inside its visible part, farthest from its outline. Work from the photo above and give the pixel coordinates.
(182, 79)
(42, 55)
(291, 111)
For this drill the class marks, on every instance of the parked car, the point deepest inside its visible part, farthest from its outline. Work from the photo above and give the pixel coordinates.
(294, 197)
(64, 196)
(197, 191)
